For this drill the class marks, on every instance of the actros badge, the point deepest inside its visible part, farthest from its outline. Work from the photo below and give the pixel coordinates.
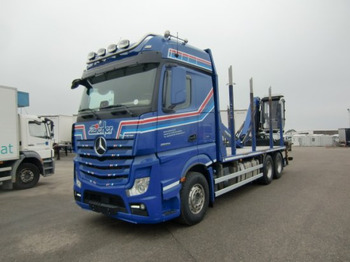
(100, 145)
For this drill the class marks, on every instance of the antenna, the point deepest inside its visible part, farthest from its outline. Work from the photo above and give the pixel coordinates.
(168, 36)
(177, 44)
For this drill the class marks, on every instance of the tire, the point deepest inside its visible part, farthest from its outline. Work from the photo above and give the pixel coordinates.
(194, 199)
(268, 170)
(27, 176)
(278, 165)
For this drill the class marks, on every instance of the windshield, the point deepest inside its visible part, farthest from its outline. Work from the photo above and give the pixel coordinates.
(125, 87)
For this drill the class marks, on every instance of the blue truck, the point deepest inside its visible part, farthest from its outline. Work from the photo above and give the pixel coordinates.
(149, 142)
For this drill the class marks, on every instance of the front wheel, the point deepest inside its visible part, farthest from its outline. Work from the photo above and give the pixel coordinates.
(194, 198)
(27, 176)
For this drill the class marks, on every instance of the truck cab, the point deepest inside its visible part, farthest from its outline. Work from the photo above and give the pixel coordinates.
(146, 117)
(35, 135)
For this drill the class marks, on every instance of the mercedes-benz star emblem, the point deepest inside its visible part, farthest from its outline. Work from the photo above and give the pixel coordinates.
(100, 145)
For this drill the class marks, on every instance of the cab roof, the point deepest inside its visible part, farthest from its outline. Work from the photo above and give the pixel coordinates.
(170, 47)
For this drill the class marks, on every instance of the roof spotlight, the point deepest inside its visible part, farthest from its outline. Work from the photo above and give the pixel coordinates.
(167, 34)
(112, 48)
(91, 56)
(101, 51)
(123, 44)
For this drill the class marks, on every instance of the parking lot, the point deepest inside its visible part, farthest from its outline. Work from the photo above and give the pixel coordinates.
(304, 216)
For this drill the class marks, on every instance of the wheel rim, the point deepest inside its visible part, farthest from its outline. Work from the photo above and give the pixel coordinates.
(196, 198)
(27, 176)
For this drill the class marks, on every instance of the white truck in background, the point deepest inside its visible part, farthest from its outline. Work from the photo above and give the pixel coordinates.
(25, 143)
(344, 136)
(62, 127)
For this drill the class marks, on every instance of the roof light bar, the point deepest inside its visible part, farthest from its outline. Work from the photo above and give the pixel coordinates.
(124, 45)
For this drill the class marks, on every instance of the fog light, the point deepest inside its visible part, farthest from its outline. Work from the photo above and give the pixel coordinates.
(138, 209)
(138, 206)
(140, 187)
(77, 196)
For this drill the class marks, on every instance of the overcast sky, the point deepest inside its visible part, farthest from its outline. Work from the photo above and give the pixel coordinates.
(301, 48)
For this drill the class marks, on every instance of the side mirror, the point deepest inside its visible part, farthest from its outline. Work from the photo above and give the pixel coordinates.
(50, 125)
(178, 86)
(75, 83)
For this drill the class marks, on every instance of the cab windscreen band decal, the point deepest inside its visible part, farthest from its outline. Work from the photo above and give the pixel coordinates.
(149, 124)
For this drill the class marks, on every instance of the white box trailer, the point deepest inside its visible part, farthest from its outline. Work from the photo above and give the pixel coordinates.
(344, 136)
(313, 140)
(8, 118)
(25, 143)
(62, 128)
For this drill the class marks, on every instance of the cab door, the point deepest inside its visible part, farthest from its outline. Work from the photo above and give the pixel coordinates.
(38, 138)
(177, 123)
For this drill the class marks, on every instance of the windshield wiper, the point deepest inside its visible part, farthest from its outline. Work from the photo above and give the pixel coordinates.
(124, 107)
(90, 110)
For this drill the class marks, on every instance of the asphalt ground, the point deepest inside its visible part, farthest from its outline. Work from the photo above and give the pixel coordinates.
(304, 216)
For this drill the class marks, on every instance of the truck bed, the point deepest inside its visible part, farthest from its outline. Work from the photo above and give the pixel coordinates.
(248, 152)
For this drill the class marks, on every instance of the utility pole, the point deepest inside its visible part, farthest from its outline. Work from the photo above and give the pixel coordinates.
(349, 116)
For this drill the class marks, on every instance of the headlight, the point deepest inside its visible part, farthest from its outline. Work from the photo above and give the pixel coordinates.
(140, 186)
(77, 182)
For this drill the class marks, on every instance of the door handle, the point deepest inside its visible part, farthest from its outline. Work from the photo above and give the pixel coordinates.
(192, 138)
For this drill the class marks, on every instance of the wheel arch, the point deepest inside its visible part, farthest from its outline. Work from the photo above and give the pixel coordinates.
(27, 157)
(35, 162)
(201, 164)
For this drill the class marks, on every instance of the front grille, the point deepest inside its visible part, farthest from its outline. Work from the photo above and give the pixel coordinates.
(110, 168)
(113, 179)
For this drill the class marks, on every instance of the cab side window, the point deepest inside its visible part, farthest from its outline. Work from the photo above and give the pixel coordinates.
(37, 129)
(167, 91)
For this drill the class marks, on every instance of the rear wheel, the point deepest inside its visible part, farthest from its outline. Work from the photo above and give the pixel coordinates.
(278, 165)
(267, 171)
(194, 198)
(27, 176)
